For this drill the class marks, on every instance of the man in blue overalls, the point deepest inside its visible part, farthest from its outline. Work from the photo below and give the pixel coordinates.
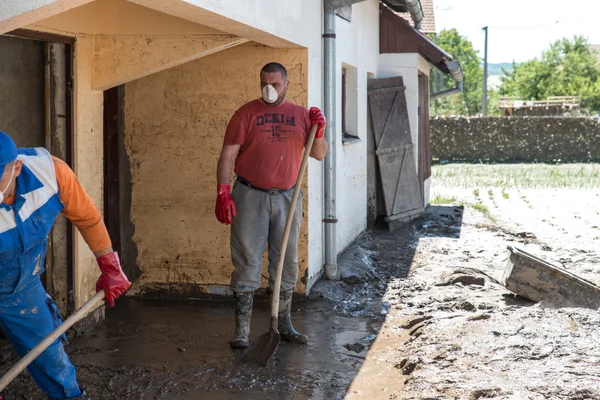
(34, 188)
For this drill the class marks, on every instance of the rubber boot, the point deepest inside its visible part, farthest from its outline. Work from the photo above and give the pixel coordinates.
(286, 330)
(243, 313)
(82, 396)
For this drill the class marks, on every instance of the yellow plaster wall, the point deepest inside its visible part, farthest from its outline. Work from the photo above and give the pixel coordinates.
(123, 58)
(89, 167)
(17, 14)
(120, 17)
(174, 126)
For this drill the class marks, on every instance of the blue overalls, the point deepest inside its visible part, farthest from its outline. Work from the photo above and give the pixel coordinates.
(27, 313)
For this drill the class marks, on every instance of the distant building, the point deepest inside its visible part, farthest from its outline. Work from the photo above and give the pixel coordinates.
(554, 105)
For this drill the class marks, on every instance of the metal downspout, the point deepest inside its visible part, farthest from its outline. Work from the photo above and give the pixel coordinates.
(416, 11)
(457, 74)
(329, 82)
(331, 269)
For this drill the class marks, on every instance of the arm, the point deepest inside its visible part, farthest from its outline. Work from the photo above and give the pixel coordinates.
(81, 211)
(225, 167)
(319, 147)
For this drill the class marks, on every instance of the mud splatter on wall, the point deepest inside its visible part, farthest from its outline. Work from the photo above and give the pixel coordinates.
(174, 126)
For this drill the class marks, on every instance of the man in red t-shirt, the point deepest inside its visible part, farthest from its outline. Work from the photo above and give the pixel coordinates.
(265, 138)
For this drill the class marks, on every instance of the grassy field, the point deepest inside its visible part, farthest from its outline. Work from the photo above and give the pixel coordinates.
(526, 176)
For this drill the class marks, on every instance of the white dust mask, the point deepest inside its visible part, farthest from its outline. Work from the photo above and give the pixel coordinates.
(8, 184)
(269, 94)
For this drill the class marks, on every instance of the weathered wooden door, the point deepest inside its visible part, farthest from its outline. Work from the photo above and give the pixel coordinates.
(424, 149)
(394, 149)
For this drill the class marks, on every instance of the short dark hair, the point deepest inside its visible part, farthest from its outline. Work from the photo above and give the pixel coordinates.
(275, 67)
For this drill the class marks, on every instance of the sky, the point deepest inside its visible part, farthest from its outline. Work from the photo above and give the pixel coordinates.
(519, 30)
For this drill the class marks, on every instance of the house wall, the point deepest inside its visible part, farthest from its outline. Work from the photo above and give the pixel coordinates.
(118, 17)
(19, 13)
(358, 51)
(288, 24)
(174, 126)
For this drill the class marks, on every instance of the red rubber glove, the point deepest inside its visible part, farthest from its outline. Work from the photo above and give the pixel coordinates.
(317, 117)
(225, 208)
(113, 280)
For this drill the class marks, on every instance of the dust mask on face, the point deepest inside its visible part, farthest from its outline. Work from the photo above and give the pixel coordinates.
(8, 184)
(269, 94)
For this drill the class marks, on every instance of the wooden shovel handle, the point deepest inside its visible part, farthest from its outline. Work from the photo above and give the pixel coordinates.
(88, 307)
(288, 227)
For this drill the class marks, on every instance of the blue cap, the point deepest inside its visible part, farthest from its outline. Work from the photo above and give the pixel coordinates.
(8, 151)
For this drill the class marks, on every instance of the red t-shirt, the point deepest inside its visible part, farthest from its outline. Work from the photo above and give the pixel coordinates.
(271, 139)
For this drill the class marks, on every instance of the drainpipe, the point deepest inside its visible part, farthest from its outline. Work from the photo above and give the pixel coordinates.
(413, 7)
(329, 82)
(416, 11)
(456, 72)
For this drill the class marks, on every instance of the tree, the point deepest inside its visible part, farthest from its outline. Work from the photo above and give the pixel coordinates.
(469, 101)
(567, 68)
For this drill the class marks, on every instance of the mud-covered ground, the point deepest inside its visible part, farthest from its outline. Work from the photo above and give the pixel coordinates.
(180, 350)
(466, 336)
(419, 314)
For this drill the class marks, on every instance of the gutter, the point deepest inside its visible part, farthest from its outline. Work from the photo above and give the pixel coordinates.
(455, 70)
(330, 176)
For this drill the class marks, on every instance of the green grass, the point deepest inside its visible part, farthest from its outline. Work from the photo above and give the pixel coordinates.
(506, 176)
(482, 209)
(441, 200)
(478, 206)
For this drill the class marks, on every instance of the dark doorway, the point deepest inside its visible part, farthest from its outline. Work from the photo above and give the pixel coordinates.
(117, 182)
(112, 137)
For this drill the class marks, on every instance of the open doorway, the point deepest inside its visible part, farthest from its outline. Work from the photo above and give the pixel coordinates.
(35, 110)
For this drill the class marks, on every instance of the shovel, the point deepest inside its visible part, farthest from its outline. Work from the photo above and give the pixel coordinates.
(263, 348)
(88, 307)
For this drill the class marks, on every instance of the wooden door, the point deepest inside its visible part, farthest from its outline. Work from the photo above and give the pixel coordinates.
(394, 149)
(424, 147)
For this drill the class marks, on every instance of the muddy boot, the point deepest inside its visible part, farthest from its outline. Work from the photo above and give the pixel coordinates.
(286, 330)
(242, 303)
(82, 396)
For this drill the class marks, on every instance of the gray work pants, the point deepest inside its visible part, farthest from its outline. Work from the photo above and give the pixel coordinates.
(260, 219)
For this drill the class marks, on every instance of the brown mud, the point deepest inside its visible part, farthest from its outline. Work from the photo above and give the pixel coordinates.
(419, 314)
(180, 350)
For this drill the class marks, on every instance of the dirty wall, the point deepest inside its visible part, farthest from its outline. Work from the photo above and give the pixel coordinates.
(174, 126)
(528, 139)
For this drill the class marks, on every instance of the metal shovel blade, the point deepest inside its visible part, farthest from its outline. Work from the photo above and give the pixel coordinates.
(262, 349)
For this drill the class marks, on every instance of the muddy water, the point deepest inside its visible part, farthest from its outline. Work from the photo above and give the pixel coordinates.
(165, 350)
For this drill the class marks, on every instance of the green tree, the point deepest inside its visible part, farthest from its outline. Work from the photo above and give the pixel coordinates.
(469, 101)
(567, 68)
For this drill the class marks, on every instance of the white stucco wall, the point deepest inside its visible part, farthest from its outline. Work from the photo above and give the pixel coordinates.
(358, 50)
